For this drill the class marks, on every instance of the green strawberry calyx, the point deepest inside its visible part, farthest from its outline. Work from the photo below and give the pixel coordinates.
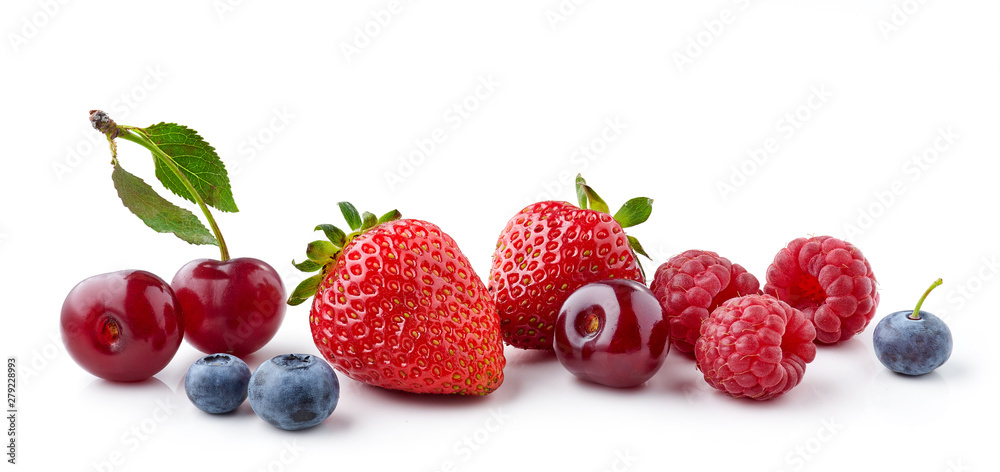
(321, 254)
(632, 213)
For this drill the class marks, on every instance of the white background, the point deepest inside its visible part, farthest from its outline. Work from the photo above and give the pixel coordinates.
(854, 99)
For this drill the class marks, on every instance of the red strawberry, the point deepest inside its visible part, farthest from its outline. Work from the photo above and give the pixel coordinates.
(397, 305)
(549, 249)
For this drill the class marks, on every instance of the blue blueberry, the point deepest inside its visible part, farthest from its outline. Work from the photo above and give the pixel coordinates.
(912, 347)
(294, 391)
(217, 383)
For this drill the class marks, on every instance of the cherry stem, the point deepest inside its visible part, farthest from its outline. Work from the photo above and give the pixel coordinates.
(916, 311)
(136, 136)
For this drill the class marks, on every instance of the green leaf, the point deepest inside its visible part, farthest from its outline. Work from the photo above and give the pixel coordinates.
(391, 216)
(197, 160)
(596, 202)
(307, 265)
(350, 215)
(588, 197)
(634, 211)
(369, 221)
(636, 247)
(158, 213)
(334, 234)
(321, 252)
(305, 290)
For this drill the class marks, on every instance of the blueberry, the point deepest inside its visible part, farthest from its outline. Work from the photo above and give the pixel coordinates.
(294, 391)
(217, 383)
(913, 345)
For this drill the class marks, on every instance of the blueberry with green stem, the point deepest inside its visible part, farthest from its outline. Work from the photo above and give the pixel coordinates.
(913, 342)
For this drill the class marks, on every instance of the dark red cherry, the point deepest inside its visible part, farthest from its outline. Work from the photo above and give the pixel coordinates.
(612, 332)
(234, 306)
(123, 326)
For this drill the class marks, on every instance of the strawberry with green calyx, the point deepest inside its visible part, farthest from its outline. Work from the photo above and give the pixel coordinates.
(397, 305)
(551, 248)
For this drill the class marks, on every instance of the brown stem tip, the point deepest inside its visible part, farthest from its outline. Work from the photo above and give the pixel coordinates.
(103, 123)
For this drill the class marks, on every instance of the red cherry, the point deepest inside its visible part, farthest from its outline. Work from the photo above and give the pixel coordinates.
(612, 332)
(123, 326)
(234, 306)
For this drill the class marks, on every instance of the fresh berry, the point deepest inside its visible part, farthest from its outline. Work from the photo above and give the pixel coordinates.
(913, 342)
(234, 306)
(612, 332)
(217, 383)
(755, 346)
(830, 281)
(294, 391)
(397, 305)
(123, 326)
(550, 249)
(692, 284)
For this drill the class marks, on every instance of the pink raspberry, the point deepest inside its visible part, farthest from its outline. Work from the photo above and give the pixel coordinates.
(830, 281)
(692, 284)
(755, 346)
